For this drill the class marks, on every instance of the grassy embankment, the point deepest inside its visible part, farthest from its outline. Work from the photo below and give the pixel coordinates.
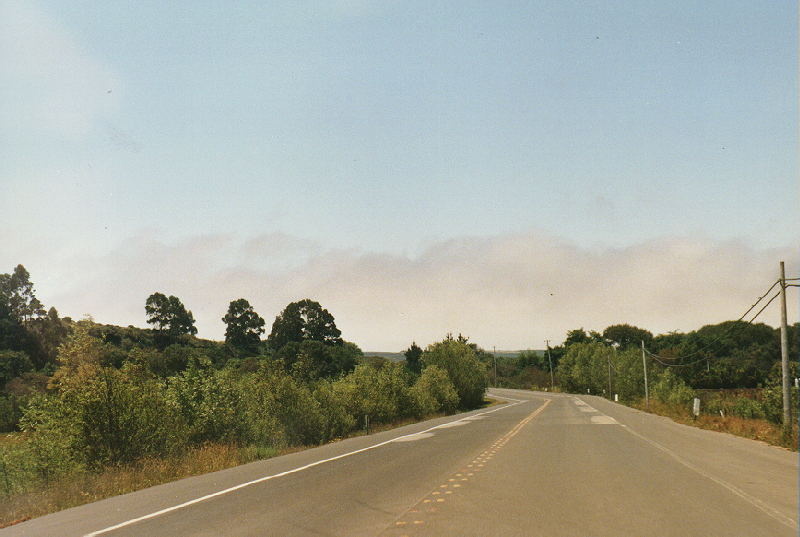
(753, 428)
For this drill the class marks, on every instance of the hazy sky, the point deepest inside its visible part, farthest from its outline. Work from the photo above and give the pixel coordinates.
(509, 170)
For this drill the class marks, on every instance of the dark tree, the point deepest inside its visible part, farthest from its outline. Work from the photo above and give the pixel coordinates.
(20, 311)
(16, 291)
(47, 334)
(302, 321)
(13, 364)
(169, 316)
(413, 354)
(578, 335)
(12, 334)
(626, 335)
(245, 326)
(310, 360)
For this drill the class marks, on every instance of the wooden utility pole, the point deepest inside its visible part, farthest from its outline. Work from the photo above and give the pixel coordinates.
(787, 394)
(646, 390)
(550, 360)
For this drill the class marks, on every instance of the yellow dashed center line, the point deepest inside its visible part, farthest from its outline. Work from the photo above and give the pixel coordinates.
(477, 464)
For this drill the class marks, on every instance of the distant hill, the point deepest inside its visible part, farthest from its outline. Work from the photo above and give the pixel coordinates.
(399, 357)
(393, 356)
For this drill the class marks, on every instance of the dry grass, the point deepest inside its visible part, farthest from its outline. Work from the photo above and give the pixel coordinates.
(10, 439)
(756, 429)
(89, 487)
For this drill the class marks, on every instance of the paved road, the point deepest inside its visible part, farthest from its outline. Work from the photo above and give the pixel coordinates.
(543, 464)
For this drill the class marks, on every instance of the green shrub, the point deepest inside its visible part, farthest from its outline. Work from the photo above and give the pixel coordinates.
(382, 394)
(671, 389)
(258, 421)
(747, 408)
(337, 421)
(465, 371)
(716, 404)
(53, 447)
(295, 408)
(207, 402)
(773, 394)
(585, 367)
(13, 364)
(433, 392)
(10, 413)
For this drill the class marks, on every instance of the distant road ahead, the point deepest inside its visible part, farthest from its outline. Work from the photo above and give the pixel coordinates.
(544, 464)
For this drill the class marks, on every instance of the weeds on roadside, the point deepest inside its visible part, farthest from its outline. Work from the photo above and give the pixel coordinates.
(753, 428)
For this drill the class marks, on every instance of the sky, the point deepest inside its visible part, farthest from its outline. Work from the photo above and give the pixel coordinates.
(505, 170)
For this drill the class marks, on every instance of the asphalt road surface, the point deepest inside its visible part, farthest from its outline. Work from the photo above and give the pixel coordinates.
(542, 464)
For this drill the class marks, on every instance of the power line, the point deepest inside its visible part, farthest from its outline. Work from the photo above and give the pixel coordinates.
(730, 328)
(656, 358)
(765, 306)
(759, 300)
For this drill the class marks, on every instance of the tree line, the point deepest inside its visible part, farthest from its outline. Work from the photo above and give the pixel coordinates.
(104, 394)
(724, 356)
(101, 394)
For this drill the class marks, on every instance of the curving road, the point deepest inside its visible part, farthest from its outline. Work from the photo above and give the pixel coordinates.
(542, 464)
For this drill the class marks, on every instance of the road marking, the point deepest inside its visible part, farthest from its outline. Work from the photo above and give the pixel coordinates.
(287, 472)
(414, 437)
(604, 420)
(451, 487)
(454, 424)
(508, 398)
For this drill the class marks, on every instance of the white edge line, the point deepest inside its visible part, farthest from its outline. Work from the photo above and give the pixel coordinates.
(507, 398)
(752, 500)
(281, 474)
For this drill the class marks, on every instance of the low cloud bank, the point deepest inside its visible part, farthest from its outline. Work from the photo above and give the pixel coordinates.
(513, 291)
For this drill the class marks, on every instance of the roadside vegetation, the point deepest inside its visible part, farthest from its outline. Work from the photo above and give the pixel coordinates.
(89, 410)
(92, 410)
(734, 370)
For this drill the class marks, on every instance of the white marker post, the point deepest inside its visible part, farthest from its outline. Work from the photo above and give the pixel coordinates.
(696, 407)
